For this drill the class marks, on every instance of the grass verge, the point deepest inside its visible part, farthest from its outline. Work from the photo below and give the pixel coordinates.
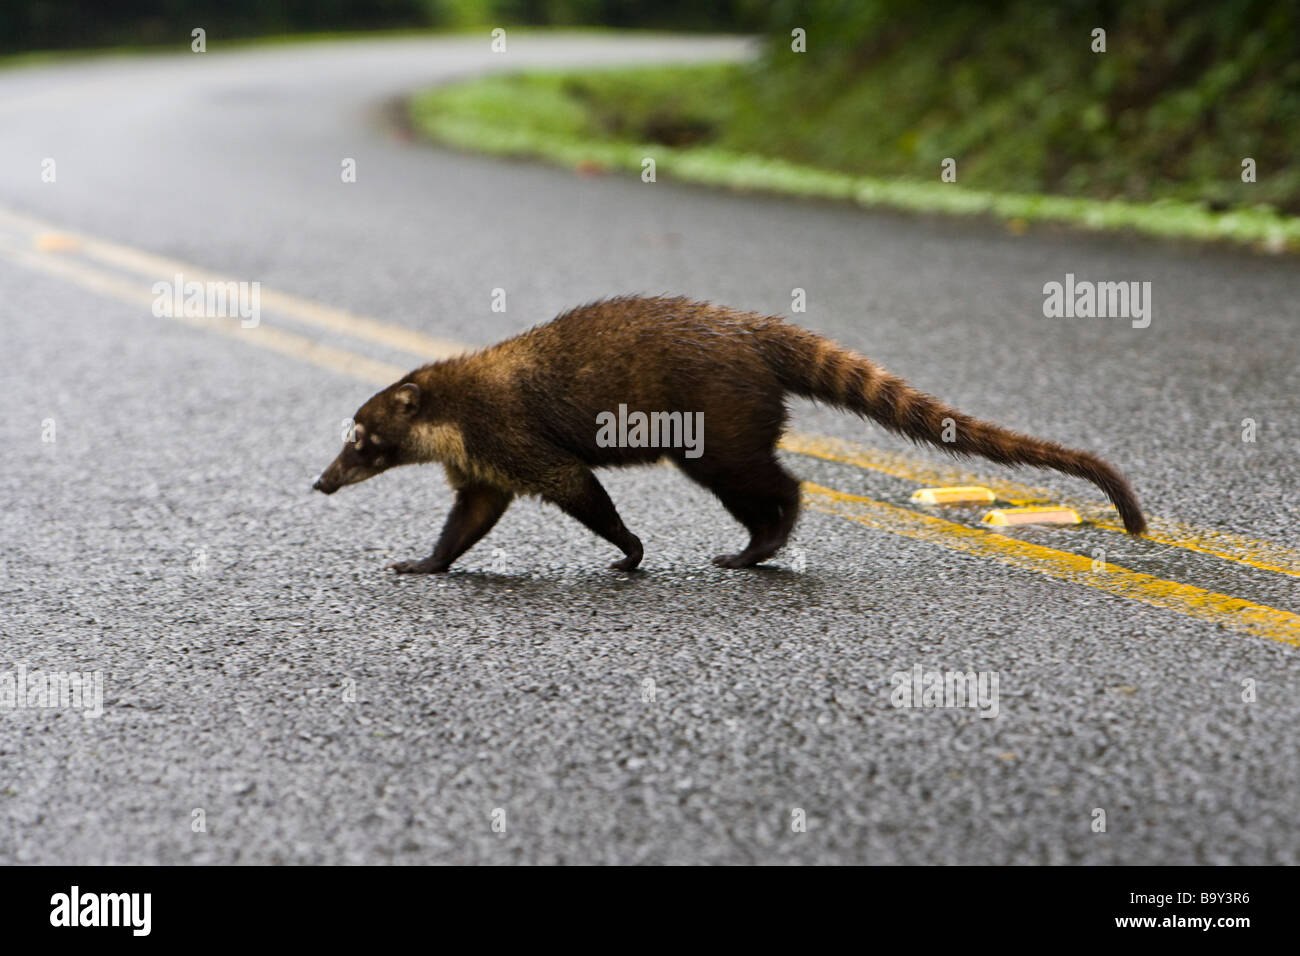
(614, 119)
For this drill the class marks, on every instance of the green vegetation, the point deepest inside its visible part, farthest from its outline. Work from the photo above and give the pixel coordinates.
(574, 119)
(1149, 135)
(1182, 93)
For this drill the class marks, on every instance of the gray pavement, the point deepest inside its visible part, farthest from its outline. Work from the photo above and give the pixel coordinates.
(259, 665)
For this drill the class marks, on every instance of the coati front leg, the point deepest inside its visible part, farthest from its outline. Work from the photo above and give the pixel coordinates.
(477, 509)
(582, 496)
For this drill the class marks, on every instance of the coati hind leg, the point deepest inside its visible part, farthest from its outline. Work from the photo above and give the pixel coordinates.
(477, 509)
(582, 496)
(762, 496)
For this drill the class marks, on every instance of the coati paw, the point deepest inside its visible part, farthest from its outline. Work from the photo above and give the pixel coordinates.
(733, 561)
(626, 564)
(423, 566)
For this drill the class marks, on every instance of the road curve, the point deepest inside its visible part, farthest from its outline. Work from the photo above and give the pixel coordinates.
(271, 695)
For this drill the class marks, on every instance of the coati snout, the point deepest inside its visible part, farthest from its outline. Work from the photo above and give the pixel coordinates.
(523, 417)
(376, 440)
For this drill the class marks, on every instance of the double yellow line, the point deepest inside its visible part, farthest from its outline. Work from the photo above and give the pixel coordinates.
(38, 245)
(1261, 555)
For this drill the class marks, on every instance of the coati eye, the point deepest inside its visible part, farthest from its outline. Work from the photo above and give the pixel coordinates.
(358, 436)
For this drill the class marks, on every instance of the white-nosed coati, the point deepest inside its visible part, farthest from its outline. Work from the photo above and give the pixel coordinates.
(523, 417)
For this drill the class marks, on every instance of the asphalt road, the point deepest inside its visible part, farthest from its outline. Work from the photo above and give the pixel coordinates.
(261, 667)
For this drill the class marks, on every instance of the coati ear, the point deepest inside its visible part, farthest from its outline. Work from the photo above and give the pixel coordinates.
(407, 398)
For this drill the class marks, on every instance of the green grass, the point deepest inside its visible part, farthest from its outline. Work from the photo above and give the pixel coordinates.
(708, 125)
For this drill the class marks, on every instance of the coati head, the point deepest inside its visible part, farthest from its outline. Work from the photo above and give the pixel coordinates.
(379, 438)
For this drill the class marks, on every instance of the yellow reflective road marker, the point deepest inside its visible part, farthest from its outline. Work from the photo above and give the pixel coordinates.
(57, 242)
(954, 494)
(1009, 516)
(1208, 606)
(1228, 545)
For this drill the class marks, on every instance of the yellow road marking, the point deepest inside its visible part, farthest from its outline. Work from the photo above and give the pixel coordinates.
(162, 269)
(1194, 602)
(953, 494)
(1263, 555)
(1011, 516)
(264, 336)
(56, 242)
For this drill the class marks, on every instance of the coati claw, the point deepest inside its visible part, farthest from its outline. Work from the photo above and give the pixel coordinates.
(423, 566)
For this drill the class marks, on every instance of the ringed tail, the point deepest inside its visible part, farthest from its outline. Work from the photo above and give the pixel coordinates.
(813, 367)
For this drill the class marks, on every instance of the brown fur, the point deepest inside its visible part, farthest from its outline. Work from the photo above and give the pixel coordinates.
(520, 417)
